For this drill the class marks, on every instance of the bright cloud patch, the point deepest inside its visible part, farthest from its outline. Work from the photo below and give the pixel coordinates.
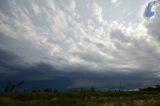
(114, 1)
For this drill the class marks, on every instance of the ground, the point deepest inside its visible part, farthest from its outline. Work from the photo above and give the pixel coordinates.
(107, 98)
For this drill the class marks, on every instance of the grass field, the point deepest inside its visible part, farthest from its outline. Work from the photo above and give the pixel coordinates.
(108, 98)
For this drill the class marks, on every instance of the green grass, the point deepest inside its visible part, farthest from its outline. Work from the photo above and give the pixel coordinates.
(108, 98)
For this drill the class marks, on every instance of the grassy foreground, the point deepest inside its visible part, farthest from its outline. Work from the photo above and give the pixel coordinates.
(108, 98)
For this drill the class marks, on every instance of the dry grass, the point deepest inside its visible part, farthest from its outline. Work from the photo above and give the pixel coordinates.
(81, 99)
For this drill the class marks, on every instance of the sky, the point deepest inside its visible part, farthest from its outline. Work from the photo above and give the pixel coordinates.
(68, 44)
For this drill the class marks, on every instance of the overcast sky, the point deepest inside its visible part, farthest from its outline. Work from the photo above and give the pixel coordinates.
(80, 43)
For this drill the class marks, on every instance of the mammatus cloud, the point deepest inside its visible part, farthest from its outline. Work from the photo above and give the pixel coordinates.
(58, 38)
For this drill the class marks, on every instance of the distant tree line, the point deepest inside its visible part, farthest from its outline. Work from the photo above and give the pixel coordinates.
(12, 87)
(154, 88)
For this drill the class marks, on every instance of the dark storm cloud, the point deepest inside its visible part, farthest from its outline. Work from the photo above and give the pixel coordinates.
(23, 48)
(11, 62)
(8, 56)
(45, 75)
(8, 61)
(13, 68)
(39, 40)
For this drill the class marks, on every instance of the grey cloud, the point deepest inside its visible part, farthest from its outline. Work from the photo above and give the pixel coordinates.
(81, 78)
(55, 40)
(41, 72)
(9, 62)
(23, 48)
(92, 57)
(117, 34)
(7, 56)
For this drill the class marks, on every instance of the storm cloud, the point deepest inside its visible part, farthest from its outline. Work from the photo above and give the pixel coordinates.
(60, 44)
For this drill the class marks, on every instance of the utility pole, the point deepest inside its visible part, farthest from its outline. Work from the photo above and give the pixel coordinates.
(120, 86)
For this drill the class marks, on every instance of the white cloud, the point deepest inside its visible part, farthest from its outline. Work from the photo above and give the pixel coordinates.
(84, 42)
(22, 27)
(36, 9)
(72, 5)
(97, 12)
(114, 1)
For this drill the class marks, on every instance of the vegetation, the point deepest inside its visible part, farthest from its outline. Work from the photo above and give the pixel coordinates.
(107, 98)
(48, 97)
(10, 87)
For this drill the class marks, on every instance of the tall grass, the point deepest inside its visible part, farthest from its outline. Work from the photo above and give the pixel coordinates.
(109, 98)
